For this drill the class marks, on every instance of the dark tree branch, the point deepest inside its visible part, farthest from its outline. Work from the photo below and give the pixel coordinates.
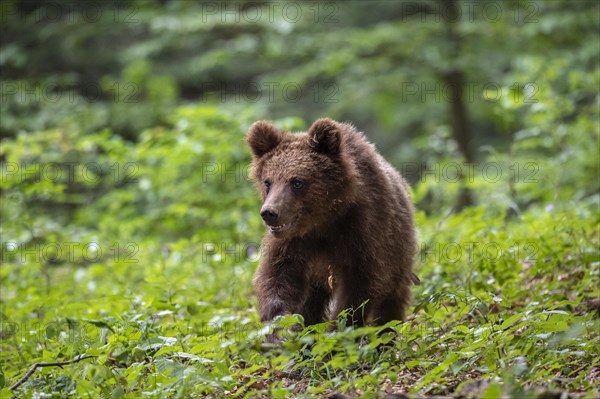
(36, 366)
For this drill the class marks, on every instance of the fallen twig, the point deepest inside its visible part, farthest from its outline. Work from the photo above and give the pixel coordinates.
(30, 372)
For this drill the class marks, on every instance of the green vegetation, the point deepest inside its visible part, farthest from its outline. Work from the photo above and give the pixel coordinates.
(130, 231)
(147, 258)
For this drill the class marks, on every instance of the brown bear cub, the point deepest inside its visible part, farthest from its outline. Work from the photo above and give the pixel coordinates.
(334, 207)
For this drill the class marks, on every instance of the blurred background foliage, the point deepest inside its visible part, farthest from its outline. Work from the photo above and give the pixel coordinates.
(429, 82)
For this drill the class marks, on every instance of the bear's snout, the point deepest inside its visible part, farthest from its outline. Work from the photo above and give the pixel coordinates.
(278, 224)
(270, 216)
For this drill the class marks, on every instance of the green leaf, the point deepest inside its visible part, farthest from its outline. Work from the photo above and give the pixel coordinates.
(492, 391)
(510, 321)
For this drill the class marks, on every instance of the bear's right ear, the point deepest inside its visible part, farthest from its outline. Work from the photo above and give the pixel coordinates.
(262, 137)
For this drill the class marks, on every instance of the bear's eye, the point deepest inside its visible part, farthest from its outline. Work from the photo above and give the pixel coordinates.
(297, 184)
(267, 185)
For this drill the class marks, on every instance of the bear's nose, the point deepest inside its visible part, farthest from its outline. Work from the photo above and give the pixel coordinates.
(269, 215)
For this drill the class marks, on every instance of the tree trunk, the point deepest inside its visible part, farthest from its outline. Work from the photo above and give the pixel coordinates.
(461, 126)
(454, 80)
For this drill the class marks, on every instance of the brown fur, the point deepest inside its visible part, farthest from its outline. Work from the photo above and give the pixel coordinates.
(348, 236)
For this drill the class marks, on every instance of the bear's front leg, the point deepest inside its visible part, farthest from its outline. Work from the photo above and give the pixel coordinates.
(351, 291)
(315, 306)
(280, 287)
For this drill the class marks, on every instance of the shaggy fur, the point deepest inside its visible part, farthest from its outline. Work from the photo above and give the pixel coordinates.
(335, 210)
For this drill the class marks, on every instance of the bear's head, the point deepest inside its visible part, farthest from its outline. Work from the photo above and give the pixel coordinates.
(306, 179)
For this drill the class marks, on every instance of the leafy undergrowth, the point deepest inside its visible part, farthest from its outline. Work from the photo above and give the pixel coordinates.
(139, 270)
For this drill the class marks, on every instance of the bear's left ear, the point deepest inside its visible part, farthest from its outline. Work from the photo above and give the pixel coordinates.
(324, 136)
